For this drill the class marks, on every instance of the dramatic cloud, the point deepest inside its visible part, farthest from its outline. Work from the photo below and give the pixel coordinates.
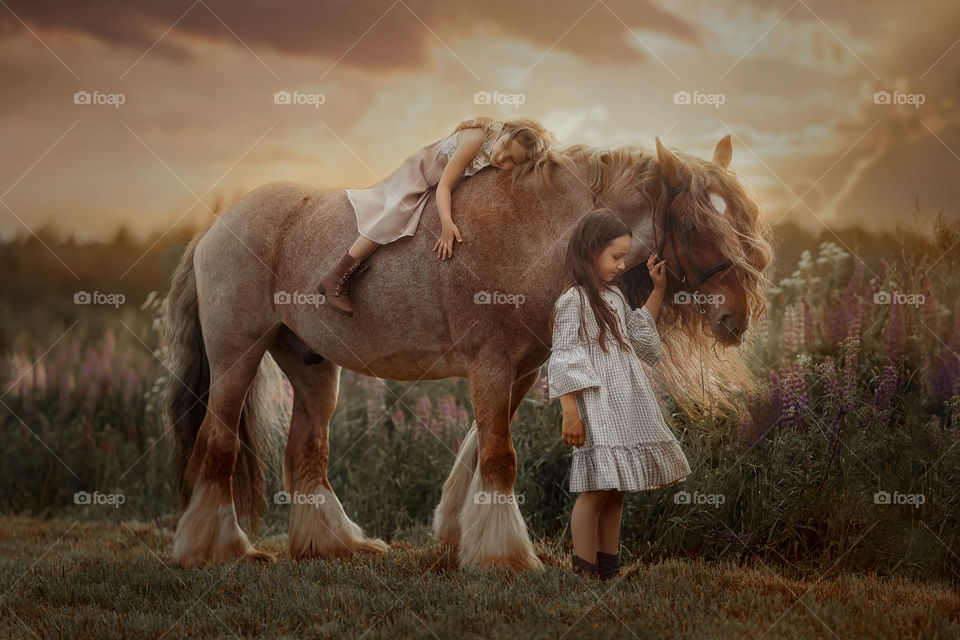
(794, 84)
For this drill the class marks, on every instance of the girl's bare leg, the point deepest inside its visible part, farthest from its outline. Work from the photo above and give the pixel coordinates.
(584, 523)
(608, 529)
(362, 248)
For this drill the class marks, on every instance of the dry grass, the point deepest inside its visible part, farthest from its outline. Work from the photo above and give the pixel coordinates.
(92, 579)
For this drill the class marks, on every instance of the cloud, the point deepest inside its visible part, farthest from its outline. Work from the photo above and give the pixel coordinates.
(385, 35)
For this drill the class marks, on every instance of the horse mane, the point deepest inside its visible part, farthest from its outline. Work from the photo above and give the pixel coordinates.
(700, 379)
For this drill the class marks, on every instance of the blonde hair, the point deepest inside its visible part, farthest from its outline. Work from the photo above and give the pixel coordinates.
(532, 136)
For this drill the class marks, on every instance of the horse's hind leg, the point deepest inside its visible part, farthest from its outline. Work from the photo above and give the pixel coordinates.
(208, 531)
(319, 527)
(492, 530)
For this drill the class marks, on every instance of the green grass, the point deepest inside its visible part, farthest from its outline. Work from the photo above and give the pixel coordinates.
(65, 578)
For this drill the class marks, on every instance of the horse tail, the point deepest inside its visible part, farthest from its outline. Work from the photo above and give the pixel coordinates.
(187, 392)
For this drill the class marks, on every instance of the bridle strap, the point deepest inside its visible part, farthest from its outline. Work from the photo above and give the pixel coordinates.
(669, 229)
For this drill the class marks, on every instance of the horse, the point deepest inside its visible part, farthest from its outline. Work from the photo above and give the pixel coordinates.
(242, 310)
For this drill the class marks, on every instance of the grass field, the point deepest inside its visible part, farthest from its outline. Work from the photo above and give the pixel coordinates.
(65, 578)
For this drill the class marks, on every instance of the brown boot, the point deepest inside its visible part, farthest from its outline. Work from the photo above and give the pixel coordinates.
(582, 567)
(608, 565)
(335, 285)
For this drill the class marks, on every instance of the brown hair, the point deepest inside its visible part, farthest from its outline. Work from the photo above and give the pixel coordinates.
(594, 233)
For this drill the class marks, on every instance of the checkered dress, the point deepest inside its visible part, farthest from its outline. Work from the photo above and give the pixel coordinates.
(628, 445)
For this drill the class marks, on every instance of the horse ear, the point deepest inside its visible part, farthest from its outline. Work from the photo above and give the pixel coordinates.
(723, 152)
(669, 164)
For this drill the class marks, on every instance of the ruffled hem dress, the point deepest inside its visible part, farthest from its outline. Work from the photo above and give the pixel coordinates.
(628, 446)
(391, 208)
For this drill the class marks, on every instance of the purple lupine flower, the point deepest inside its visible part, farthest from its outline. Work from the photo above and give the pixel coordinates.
(851, 386)
(764, 408)
(883, 397)
(894, 337)
(835, 432)
(792, 330)
(856, 279)
(854, 316)
(809, 325)
(831, 388)
(424, 407)
(835, 320)
(795, 397)
(448, 417)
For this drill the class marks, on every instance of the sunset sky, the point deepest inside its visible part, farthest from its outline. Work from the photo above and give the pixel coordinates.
(794, 83)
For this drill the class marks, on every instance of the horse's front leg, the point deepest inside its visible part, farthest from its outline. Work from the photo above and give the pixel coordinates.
(490, 529)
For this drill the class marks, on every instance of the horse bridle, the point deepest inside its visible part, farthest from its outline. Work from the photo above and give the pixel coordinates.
(670, 229)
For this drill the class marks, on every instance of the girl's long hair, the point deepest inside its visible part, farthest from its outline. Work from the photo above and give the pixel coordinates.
(595, 231)
(531, 135)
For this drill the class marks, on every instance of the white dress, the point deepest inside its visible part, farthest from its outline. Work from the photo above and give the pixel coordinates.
(628, 446)
(391, 208)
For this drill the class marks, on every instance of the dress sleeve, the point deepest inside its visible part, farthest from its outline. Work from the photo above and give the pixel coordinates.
(642, 329)
(570, 368)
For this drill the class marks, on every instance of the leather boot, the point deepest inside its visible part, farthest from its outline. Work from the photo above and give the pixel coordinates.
(335, 284)
(608, 565)
(582, 567)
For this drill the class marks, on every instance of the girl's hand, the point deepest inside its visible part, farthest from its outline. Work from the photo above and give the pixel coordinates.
(658, 271)
(573, 433)
(444, 245)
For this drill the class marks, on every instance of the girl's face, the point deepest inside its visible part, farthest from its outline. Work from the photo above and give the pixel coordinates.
(611, 261)
(504, 156)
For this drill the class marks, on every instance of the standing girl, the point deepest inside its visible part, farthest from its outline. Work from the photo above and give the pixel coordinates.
(610, 412)
(391, 208)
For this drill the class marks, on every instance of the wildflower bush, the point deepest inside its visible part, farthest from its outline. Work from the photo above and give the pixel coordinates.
(845, 457)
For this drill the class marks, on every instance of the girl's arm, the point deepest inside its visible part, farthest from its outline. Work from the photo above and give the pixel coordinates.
(654, 300)
(657, 269)
(467, 148)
